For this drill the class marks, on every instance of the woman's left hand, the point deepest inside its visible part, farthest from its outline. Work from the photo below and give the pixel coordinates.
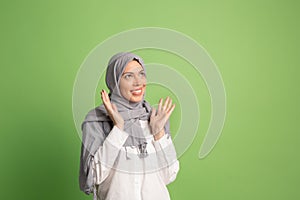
(160, 116)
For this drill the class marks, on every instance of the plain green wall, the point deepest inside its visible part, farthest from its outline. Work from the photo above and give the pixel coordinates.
(254, 43)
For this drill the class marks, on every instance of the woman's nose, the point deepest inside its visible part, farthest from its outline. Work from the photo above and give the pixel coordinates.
(137, 80)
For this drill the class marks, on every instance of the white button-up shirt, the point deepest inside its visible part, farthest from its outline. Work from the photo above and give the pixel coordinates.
(121, 174)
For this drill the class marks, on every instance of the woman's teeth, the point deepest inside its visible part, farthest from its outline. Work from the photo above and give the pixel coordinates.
(136, 92)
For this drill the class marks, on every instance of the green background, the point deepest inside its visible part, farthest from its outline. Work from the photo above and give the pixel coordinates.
(254, 43)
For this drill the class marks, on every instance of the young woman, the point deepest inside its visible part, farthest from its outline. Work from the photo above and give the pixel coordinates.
(127, 151)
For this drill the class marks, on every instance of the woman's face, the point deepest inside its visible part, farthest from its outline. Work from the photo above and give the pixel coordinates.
(133, 82)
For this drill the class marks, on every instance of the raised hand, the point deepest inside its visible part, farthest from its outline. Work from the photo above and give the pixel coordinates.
(160, 116)
(112, 110)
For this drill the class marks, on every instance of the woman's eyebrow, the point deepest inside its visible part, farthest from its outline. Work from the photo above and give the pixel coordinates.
(132, 72)
(127, 73)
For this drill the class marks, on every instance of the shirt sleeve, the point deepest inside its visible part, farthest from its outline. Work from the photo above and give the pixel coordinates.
(167, 158)
(107, 154)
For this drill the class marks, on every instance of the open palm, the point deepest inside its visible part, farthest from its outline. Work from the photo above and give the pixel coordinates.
(160, 116)
(112, 110)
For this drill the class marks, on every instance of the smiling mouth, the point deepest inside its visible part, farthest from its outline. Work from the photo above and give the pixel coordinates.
(137, 92)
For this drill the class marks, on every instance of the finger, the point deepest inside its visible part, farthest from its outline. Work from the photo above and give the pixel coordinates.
(169, 105)
(106, 101)
(166, 103)
(114, 107)
(171, 110)
(105, 96)
(168, 114)
(159, 106)
(102, 95)
(107, 107)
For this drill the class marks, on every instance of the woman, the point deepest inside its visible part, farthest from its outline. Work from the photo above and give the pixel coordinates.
(127, 151)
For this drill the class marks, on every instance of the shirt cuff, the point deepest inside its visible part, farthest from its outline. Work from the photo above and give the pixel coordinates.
(117, 137)
(163, 142)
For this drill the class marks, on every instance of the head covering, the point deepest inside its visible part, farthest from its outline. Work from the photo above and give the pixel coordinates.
(115, 69)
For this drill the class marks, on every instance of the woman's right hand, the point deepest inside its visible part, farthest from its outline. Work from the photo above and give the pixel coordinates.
(112, 110)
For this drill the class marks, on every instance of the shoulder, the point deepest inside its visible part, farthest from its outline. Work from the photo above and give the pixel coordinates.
(96, 120)
(96, 114)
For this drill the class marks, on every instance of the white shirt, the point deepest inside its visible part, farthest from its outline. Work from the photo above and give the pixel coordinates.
(120, 174)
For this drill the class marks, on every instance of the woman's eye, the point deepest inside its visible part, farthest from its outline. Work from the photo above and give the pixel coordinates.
(127, 76)
(142, 74)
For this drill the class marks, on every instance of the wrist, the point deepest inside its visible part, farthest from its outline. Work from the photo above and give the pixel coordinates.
(120, 126)
(159, 135)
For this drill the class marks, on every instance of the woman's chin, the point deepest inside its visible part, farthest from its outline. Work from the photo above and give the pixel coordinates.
(136, 99)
